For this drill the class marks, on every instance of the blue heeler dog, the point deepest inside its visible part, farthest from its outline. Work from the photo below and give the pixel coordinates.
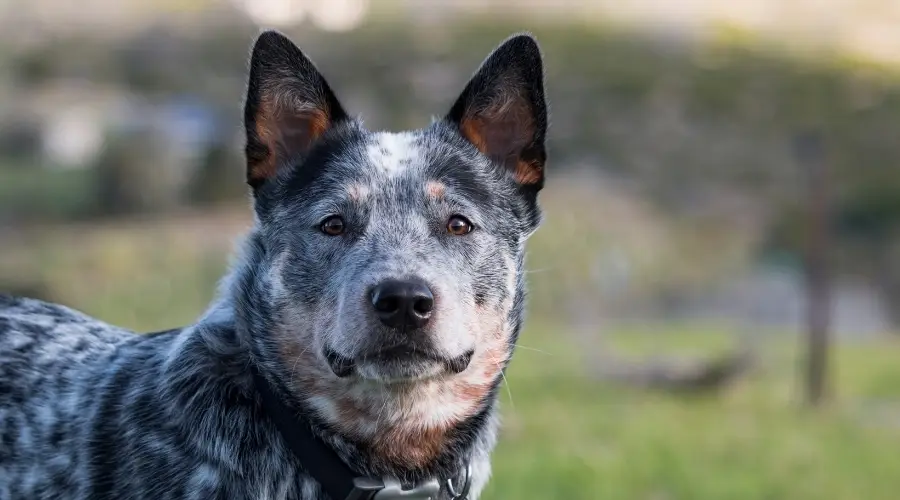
(357, 346)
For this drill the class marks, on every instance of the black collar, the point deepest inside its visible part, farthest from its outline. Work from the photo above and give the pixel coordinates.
(321, 462)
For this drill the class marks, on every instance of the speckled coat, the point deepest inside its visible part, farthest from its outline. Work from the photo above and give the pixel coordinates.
(92, 411)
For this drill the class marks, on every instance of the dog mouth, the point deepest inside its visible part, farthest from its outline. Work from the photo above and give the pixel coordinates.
(397, 363)
(340, 365)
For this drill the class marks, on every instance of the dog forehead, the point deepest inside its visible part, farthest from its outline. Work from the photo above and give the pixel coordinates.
(392, 154)
(398, 169)
(389, 163)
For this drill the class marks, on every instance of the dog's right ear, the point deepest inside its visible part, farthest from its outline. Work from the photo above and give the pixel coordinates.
(502, 110)
(289, 106)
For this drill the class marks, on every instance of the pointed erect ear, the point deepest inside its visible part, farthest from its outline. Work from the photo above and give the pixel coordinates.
(502, 110)
(289, 106)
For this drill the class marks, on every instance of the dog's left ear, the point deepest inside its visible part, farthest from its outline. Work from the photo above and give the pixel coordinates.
(502, 110)
(289, 107)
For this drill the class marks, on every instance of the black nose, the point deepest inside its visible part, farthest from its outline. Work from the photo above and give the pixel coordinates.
(403, 303)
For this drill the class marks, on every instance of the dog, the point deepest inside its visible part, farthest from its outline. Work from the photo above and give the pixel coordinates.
(355, 347)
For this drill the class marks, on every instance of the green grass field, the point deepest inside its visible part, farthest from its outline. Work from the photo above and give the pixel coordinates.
(566, 435)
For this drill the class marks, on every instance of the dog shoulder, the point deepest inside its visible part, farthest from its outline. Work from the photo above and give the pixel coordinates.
(57, 331)
(40, 341)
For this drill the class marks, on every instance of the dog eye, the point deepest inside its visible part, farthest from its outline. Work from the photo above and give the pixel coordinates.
(459, 225)
(333, 226)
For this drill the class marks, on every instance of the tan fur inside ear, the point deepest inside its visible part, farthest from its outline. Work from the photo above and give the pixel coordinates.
(285, 132)
(264, 168)
(528, 172)
(502, 130)
(473, 130)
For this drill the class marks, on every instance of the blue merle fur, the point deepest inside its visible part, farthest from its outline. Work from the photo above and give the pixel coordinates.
(92, 411)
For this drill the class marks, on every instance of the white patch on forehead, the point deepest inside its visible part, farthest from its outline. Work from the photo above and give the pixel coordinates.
(393, 152)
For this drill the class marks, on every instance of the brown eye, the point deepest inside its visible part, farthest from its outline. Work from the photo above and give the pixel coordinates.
(333, 226)
(458, 226)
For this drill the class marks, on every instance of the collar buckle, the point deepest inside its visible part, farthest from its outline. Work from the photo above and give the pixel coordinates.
(365, 488)
(463, 493)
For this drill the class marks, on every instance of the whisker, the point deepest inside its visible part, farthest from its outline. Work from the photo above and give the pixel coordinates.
(297, 361)
(520, 346)
(381, 419)
(497, 362)
(512, 405)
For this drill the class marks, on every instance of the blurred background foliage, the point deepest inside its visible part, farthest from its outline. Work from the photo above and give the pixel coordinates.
(677, 206)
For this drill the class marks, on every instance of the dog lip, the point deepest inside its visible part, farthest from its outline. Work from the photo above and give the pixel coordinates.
(460, 363)
(342, 366)
(395, 356)
(402, 352)
(455, 365)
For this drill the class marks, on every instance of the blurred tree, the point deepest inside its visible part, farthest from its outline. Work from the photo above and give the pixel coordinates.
(811, 156)
(692, 126)
(868, 222)
(133, 175)
(219, 178)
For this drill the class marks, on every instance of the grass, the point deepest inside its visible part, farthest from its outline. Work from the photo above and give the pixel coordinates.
(566, 434)
(569, 436)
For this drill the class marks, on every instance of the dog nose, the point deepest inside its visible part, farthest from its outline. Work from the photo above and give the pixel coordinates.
(403, 303)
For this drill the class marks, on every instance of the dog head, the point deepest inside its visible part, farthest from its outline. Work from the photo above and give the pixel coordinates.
(393, 262)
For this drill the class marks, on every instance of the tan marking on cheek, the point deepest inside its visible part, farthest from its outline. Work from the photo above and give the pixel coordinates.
(472, 394)
(495, 331)
(474, 384)
(435, 190)
(492, 358)
(489, 320)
